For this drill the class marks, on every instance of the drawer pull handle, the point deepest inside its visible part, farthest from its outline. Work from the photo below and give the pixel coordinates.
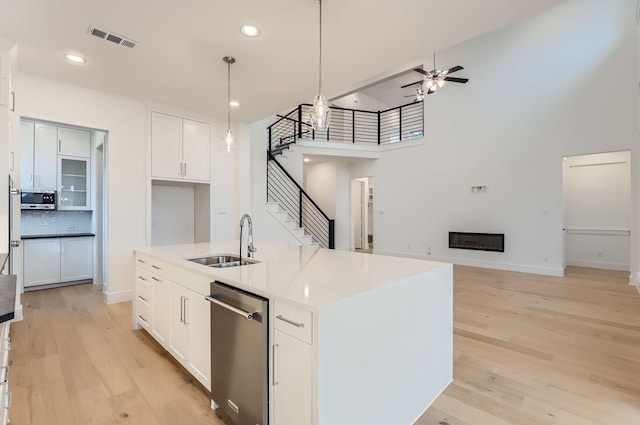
(156, 279)
(143, 298)
(142, 278)
(289, 321)
(7, 344)
(142, 318)
(142, 261)
(9, 400)
(156, 267)
(6, 375)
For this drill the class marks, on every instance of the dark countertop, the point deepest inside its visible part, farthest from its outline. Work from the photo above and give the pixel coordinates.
(3, 260)
(56, 235)
(7, 297)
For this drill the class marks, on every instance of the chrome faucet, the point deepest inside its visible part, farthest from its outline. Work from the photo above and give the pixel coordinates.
(250, 248)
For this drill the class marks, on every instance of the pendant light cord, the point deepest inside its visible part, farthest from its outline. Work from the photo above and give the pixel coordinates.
(320, 59)
(229, 95)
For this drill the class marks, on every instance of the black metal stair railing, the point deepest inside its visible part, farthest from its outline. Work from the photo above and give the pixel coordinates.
(393, 125)
(283, 189)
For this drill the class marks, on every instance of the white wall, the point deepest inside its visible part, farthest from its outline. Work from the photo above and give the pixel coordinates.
(531, 100)
(597, 207)
(172, 214)
(125, 121)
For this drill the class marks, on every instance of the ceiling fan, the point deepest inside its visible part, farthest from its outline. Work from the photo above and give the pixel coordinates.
(434, 79)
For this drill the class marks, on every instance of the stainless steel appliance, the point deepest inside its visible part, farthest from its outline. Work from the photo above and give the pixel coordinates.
(38, 200)
(13, 243)
(239, 354)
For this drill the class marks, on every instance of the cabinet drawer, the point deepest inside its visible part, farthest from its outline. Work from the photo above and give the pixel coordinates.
(150, 263)
(294, 321)
(143, 311)
(143, 285)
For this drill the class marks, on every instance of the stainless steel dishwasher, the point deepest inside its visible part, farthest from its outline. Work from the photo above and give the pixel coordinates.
(239, 354)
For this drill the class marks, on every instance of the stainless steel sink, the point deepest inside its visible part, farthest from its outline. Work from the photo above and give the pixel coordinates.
(222, 261)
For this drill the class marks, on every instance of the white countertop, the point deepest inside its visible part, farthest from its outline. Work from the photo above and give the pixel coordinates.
(309, 276)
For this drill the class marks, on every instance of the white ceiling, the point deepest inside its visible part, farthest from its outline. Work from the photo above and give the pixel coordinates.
(179, 59)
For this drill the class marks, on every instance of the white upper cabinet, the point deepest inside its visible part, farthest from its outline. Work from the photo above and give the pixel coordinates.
(74, 142)
(74, 183)
(38, 149)
(180, 148)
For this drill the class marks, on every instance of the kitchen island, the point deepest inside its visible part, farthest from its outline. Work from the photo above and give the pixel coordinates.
(367, 339)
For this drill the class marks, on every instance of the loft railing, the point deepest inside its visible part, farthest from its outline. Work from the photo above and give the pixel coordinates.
(284, 190)
(393, 125)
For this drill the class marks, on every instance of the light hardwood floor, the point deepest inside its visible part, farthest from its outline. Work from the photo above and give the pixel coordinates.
(527, 350)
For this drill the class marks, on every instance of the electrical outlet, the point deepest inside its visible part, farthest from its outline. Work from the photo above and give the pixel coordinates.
(429, 250)
(546, 259)
(600, 255)
(409, 246)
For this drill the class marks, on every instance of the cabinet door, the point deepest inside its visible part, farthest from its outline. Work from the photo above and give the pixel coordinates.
(44, 158)
(166, 146)
(27, 132)
(76, 259)
(74, 186)
(161, 290)
(196, 150)
(292, 374)
(198, 318)
(74, 142)
(41, 261)
(178, 330)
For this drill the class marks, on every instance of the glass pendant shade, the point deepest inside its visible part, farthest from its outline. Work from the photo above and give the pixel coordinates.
(320, 114)
(228, 142)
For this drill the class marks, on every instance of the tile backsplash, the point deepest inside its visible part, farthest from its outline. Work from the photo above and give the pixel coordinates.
(54, 222)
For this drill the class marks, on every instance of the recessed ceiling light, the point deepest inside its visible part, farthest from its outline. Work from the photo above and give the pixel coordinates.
(250, 30)
(234, 103)
(307, 160)
(74, 58)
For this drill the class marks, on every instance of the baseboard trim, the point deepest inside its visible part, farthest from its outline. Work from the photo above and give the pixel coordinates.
(600, 265)
(17, 314)
(634, 280)
(118, 297)
(547, 271)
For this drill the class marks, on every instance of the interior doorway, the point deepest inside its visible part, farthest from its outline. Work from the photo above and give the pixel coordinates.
(362, 214)
(100, 258)
(597, 210)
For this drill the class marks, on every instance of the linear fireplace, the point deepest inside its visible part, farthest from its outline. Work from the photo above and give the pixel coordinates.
(477, 241)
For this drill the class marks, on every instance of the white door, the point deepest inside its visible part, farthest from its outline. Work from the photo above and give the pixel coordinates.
(597, 210)
(76, 259)
(198, 317)
(74, 142)
(178, 332)
(196, 150)
(41, 261)
(27, 132)
(357, 193)
(166, 146)
(45, 157)
(293, 380)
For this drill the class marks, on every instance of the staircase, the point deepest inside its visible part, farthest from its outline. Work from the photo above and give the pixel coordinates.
(286, 200)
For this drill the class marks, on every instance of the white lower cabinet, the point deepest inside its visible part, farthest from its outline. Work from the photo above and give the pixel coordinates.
(179, 332)
(179, 317)
(292, 380)
(5, 392)
(41, 262)
(76, 258)
(292, 365)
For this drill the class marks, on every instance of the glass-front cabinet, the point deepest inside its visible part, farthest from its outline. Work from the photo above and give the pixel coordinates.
(73, 183)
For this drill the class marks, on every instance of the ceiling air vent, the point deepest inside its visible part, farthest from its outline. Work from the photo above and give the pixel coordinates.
(114, 38)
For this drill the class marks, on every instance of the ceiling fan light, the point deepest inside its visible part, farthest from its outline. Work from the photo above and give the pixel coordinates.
(228, 142)
(419, 95)
(320, 114)
(441, 83)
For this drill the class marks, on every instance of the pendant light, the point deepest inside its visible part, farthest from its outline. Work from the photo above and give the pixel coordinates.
(320, 113)
(228, 141)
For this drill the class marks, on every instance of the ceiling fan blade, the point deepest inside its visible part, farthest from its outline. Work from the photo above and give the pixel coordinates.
(451, 70)
(432, 89)
(412, 84)
(421, 71)
(456, 80)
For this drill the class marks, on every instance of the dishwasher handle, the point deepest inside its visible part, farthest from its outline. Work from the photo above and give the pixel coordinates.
(245, 314)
